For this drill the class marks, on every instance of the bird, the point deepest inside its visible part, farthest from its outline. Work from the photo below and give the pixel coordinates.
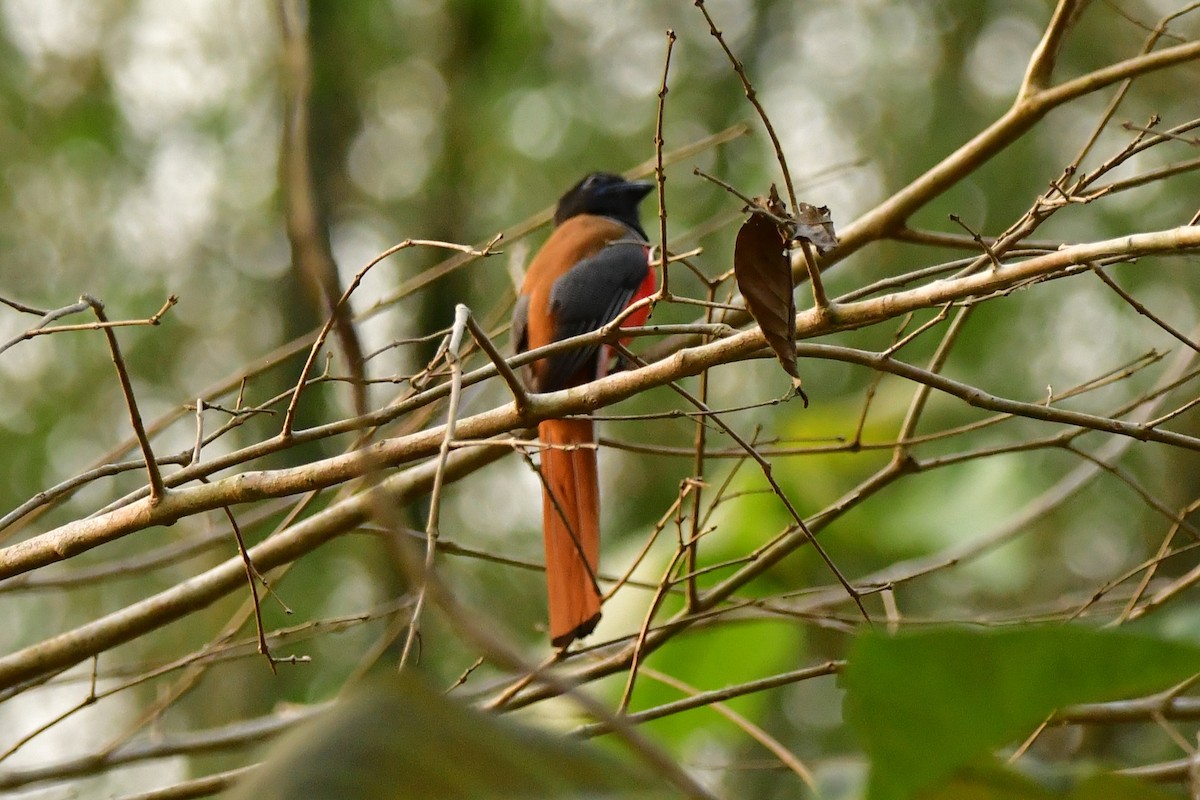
(594, 265)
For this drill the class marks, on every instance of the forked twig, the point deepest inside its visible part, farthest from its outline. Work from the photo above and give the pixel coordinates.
(43, 327)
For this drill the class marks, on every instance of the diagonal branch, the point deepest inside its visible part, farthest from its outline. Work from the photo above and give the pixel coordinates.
(157, 489)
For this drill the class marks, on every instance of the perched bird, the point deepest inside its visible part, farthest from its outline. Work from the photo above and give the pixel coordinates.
(595, 264)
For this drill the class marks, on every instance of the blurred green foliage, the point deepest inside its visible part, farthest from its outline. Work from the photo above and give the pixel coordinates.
(928, 702)
(440, 751)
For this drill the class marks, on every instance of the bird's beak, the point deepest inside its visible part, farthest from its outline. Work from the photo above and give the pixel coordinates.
(635, 190)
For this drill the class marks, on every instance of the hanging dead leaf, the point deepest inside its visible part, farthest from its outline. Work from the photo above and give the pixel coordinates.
(764, 277)
(773, 203)
(815, 225)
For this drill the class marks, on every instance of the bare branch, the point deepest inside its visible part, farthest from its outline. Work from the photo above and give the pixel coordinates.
(660, 174)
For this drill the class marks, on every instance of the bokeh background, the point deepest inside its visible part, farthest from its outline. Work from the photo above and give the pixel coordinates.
(139, 152)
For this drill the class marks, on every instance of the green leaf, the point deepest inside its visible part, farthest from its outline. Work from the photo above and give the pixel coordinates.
(988, 781)
(991, 780)
(926, 703)
(398, 738)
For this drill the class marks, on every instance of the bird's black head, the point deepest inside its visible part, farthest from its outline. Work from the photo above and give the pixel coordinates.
(606, 195)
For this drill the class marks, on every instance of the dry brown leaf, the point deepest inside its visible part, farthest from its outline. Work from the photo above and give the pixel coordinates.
(815, 224)
(764, 277)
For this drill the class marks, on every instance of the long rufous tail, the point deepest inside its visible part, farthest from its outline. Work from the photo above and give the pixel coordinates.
(571, 527)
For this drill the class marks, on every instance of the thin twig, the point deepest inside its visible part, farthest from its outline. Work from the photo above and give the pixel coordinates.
(702, 699)
(252, 578)
(660, 174)
(979, 240)
(17, 305)
(157, 489)
(199, 442)
(639, 642)
(43, 327)
(153, 320)
(1141, 309)
(462, 315)
(692, 544)
(520, 396)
